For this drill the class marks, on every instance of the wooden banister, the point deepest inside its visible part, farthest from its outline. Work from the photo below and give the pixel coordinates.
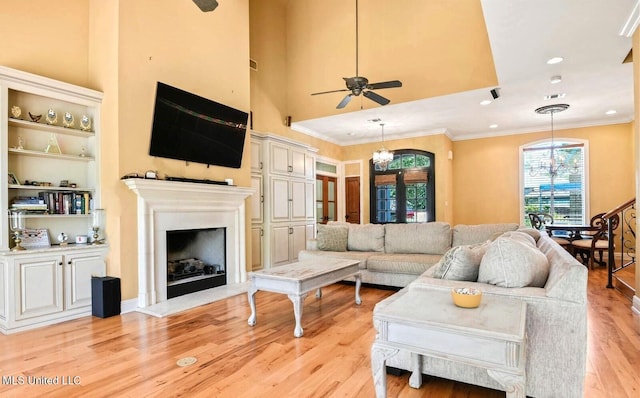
(618, 209)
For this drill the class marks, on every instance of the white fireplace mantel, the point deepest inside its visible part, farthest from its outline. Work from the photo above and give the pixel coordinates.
(171, 205)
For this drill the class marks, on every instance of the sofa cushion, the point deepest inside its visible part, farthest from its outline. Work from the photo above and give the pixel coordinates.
(534, 233)
(318, 255)
(474, 234)
(366, 238)
(332, 238)
(511, 262)
(461, 263)
(423, 238)
(413, 264)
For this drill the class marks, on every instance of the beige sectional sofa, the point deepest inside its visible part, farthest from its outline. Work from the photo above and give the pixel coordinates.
(523, 264)
(395, 254)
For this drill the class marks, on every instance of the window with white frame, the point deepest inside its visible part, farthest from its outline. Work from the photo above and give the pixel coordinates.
(553, 181)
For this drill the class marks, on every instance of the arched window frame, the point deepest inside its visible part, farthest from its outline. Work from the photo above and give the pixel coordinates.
(403, 191)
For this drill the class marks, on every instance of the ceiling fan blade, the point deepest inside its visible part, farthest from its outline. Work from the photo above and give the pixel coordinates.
(376, 97)
(389, 84)
(332, 91)
(344, 101)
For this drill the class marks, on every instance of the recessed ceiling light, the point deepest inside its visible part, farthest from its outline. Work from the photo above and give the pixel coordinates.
(554, 96)
(611, 112)
(493, 126)
(485, 102)
(556, 79)
(555, 60)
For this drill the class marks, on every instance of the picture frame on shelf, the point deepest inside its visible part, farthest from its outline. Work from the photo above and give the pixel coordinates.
(35, 238)
(13, 179)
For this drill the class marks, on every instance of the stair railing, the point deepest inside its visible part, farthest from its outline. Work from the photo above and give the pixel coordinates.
(627, 234)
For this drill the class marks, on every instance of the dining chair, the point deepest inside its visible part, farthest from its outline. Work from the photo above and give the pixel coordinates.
(597, 243)
(539, 221)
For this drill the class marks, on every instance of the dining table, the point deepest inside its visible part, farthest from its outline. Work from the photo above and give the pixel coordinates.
(574, 231)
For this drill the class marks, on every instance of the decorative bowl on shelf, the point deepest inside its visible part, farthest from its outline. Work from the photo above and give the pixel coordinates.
(466, 297)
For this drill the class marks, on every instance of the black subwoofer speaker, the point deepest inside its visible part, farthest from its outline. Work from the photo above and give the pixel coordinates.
(105, 296)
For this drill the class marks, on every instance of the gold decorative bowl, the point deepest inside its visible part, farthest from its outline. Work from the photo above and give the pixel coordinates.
(466, 297)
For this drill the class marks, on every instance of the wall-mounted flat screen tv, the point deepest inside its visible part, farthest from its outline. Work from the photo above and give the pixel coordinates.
(196, 129)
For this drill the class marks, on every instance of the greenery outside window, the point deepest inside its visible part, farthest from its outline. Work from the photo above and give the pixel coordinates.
(405, 191)
(557, 187)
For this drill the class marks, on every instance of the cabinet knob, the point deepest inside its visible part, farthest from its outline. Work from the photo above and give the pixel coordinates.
(60, 263)
(69, 262)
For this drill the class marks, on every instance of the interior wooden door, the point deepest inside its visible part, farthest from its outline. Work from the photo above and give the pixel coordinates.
(326, 199)
(352, 200)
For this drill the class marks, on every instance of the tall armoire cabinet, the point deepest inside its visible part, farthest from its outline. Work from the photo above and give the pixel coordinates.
(283, 208)
(49, 140)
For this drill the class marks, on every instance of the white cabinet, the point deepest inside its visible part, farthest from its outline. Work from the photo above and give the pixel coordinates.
(48, 286)
(288, 189)
(288, 241)
(257, 199)
(39, 283)
(256, 247)
(49, 140)
(78, 270)
(288, 160)
(256, 156)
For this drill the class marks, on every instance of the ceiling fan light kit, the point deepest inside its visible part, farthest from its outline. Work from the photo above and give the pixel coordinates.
(360, 85)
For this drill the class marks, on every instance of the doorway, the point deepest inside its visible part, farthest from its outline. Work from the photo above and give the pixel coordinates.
(326, 199)
(352, 200)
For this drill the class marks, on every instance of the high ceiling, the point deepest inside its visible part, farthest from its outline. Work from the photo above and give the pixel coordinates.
(523, 35)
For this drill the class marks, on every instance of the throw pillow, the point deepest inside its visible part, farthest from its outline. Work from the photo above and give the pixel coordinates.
(366, 238)
(332, 238)
(509, 262)
(461, 263)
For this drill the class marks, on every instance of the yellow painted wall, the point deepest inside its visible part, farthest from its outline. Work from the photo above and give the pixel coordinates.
(129, 46)
(269, 103)
(46, 39)
(202, 53)
(486, 172)
(434, 47)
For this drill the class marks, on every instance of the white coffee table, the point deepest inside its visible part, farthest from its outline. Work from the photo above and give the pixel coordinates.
(297, 279)
(425, 321)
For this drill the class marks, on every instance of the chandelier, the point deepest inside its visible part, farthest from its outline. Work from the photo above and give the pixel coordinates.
(553, 164)
(382, 157)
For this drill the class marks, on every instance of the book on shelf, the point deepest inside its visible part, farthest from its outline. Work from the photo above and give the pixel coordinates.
(66, 202)
(28, 204)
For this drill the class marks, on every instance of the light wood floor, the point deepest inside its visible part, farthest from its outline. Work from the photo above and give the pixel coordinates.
(135, 355)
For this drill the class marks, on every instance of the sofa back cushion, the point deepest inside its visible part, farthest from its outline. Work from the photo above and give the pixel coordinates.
(514, 262)
(474, 234)
(332, 238)
(425, 238)
(366, 238)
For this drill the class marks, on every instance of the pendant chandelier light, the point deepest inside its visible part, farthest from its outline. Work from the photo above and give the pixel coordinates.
(553, 164)
(382, 157)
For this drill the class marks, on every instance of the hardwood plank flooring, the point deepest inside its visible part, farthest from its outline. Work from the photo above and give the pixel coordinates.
(135, 355)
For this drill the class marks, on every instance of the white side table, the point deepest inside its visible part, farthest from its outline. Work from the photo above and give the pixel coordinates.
(425, 321)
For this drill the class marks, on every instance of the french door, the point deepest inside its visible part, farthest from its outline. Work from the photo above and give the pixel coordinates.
(326, 199)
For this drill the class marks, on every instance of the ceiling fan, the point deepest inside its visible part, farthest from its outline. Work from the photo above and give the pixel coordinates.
(360, 85)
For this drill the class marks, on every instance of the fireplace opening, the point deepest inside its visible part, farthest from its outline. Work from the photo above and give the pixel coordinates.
(196, 260)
